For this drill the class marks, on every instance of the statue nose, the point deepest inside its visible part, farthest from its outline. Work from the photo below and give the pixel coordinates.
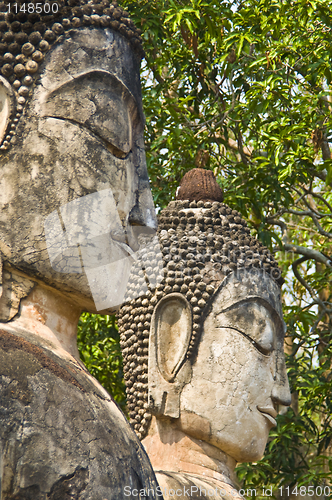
(143, 213)
(280, 392)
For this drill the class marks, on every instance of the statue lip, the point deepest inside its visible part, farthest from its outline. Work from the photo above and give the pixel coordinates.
(269, 412)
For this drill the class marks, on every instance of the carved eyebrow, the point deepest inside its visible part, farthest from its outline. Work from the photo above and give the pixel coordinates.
(263, 302)
(251, 298)
(102, 73)
(98, 76)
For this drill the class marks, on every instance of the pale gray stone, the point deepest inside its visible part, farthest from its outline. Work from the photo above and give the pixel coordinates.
(218, 409)
(82, 133)
(80, 138)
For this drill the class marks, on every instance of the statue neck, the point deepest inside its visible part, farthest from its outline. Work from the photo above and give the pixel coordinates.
(48, 318)
(170, 449)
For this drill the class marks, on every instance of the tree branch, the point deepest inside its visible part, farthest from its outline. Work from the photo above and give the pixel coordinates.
(282, 225)
(319, 227)
(320, 197)
(321, 175)
(308, 213)
(308, 253)
(303, 282)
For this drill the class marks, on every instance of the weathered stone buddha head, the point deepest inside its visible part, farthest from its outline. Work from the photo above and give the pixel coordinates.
(205, 349)
(73, 178)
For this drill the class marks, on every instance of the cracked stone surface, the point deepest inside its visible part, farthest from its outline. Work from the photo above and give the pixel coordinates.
(62, 436)
(81, 133)
(225, 400)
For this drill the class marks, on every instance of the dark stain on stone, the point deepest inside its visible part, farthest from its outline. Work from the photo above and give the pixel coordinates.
(19, 390)
(26, 366)
(69, 487)
(30, 493)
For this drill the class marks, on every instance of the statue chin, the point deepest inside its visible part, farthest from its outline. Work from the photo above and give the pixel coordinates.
(247, 445)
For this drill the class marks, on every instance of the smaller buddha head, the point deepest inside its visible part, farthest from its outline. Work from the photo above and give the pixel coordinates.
(205, 348)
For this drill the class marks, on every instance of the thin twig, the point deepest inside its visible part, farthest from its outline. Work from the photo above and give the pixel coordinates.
(320, 197)
(319, 227)
(303, 282)
(318, 320)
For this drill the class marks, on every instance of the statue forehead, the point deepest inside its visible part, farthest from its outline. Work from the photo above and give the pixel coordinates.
(85, 51)
(248, 285)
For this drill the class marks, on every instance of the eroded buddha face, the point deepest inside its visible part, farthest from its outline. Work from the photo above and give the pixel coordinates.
(239, 377)
(78, 164)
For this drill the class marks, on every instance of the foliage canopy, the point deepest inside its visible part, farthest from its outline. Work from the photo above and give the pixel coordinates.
(99, 347)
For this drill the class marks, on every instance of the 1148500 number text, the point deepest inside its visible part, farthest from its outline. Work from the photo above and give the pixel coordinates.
(30, 8)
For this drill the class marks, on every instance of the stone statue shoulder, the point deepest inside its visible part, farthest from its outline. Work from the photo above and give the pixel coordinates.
(185, 486)
(61, 434)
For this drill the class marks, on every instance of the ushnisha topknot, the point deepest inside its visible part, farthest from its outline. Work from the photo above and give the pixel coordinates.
(201, 242)
(26, 37)
(199, 185)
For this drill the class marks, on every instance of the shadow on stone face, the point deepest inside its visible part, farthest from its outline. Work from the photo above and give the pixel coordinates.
(70, 487)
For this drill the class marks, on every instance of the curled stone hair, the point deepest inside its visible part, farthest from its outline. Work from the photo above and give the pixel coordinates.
(201, 243)
(25, 39)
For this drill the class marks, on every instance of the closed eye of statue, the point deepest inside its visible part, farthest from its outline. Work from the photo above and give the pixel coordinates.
(99, 102)
(253, 321)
